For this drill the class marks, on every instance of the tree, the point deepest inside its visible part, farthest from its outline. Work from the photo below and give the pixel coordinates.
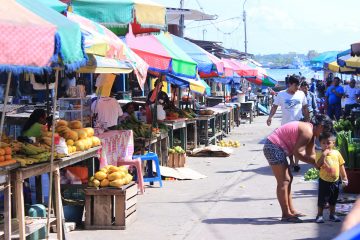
(312, 53)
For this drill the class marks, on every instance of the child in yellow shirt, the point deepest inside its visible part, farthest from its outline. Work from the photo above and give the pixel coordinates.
(331, 165)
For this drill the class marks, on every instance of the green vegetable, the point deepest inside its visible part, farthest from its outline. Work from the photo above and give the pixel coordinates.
(311, 174)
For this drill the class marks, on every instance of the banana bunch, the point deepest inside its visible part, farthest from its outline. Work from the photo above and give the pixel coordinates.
(30, 149)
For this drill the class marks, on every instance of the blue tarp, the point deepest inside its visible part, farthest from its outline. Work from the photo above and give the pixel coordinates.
(205, 65)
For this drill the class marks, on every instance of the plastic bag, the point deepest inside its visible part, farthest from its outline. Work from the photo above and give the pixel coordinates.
(62, 148)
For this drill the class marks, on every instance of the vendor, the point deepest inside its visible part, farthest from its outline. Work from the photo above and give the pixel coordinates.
(35, 124)
(128, 111)
(106, 112)
(162, 98)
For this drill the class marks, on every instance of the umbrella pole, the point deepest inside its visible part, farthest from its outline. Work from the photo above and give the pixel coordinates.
(52, 155)
(6, 99)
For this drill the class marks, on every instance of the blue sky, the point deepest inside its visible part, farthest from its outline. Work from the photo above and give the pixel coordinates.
(278, 26)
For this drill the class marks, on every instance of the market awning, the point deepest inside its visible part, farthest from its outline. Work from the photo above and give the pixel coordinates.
(55, 5)
(241, 69)
(118, 14)
(197, 85)
(218, 63)
(162, 55)
(70, 43)
(27, 42)
(98, 64)
(318, 62)
(98, 39)
(335, 67)
(101, 41)
(205, 65)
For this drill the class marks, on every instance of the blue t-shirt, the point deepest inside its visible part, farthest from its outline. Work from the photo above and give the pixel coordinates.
(333, 99)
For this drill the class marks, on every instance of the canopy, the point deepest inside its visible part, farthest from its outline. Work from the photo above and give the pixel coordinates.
(218, 63)
(334, 67)
(97, 64)
(120, 13)
(98, 39)
(162, 54)
(205, 65)
(70, 45)
(344, 59)
(241, 68)
(55, 5)
(325, 57)
(102, 42)
(197, 86)
(27, 40)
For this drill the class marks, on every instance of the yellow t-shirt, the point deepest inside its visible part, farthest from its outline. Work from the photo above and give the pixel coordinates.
(330, 170)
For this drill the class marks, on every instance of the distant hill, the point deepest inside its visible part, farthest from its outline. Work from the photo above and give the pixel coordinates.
(282, 60)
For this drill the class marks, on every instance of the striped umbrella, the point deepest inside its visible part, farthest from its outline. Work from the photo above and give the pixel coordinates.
(27, 40)
(162, 55)
(143, 15)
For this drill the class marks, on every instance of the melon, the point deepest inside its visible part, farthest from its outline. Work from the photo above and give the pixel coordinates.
(62, 123)
(75, 125)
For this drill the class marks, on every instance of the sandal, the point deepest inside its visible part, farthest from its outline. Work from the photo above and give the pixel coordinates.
(299, 214)
(293, 219)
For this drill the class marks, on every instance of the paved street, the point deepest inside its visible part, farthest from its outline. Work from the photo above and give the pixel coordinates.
(236, 201)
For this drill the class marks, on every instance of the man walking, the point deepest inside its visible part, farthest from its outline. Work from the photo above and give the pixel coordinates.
(294, 107)
(333, 95)
(310, 97)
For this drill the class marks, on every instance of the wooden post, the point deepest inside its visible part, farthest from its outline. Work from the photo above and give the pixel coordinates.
(6, 99)
(58, 205)
(19, 198)
(52, 154)
(7, 207)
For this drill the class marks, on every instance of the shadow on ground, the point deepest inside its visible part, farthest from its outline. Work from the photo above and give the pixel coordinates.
(253, 221)
(261, 170)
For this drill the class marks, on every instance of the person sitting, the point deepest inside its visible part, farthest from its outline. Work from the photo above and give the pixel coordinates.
(35, 124)
(128, 111)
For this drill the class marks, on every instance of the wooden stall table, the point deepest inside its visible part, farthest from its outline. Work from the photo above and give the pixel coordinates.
(20, 174)
(5, 185)
(223, 118)
(176, 124)
(191, 124)
(206, 122)
(235, 114)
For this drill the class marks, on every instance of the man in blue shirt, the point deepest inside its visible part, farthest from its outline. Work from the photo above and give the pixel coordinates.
(333, 96)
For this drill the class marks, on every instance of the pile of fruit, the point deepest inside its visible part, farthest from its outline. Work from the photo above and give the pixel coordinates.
(77, 138)
(5, 155)
(343, 125)
(110, 176)
(177, 149)
(30, 154)
(230, 143)
(311, 174)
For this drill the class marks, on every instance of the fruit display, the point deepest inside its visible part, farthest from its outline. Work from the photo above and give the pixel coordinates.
(110, 176)
(139, 129)
(311, 174)
(77, 138)
(30, 154)
(230, 143)
(6, 155)
(177, 149)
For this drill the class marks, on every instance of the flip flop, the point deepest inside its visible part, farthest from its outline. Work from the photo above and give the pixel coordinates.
(292, 220)
(299, 214)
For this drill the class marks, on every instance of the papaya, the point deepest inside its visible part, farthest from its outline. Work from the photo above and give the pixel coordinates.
(100, 175)
(104, 183)
(117, 183)
(116, 175)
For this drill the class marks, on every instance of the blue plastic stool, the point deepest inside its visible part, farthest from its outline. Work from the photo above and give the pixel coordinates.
(151, 157)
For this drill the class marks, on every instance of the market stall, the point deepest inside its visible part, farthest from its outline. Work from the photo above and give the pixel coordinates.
(21, 174)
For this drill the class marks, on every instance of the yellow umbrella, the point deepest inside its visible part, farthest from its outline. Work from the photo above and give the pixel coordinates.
(334, 67)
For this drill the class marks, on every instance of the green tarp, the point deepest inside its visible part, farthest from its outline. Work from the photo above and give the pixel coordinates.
(54, 4)
(181, 62)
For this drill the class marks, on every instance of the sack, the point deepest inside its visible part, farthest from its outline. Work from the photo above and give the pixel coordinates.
(161, 114)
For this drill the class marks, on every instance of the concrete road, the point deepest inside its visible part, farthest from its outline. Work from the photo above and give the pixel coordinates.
(236, 201)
